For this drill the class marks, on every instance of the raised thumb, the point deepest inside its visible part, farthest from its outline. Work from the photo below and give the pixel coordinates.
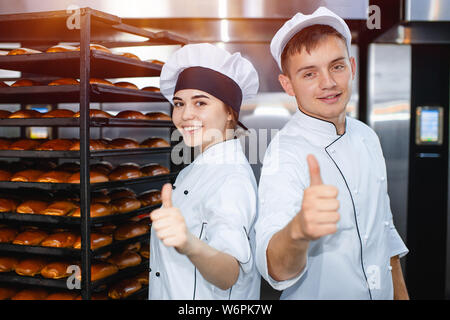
(314, 170)
(166, 195)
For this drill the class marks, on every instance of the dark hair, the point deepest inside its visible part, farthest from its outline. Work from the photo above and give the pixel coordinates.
(307, 38)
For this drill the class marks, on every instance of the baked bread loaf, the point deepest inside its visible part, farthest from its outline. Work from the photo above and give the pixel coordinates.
(31, 294)
(124, 288)
(69, 167)
(96, 210)
(124, 205)
(103, 256)
(101, 270)
(25, 144)
(63, 82)
(124, 172)
(4, 113)
(161, 116)
(63, 239)
(135, 247)
(123, 143)
(102, 167)
(30, 267)
(143, 278)
(59, 113)
(124, 84)
(98, 240)
(98, 197)
(121, 193)
(155, 61)
(154, 142)
(128, 55)
(95, 177)
(32, 207)
(106, 229)
(94, 144)
(56, 145)
(5, 143)
(20, 51)
(95, 113)
(56, 270)
(54, 177)
(154, 169)
(7, 292)
(7, 235)
(30, 175)
(151, 89)
(150, 198)
(60, 208)
(125, 259)
(61, 48)
(145, 251)
(130, 230)
(8, 264)
(66, 295)
(25, 83)
(131, 114)
(5, 175)
(100, 81)
(30, 237)
(25, 114)
(8, 205)
(94, 46)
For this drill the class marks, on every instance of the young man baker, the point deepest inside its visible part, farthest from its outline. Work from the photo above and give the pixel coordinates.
(325, 228)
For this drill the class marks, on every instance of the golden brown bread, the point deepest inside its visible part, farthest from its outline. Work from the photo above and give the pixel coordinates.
(95, 177)
(8, 264)
(124, 205)
(64, 239)
(30, 237)
(121, 193)
(151, 89)
(94, 144)
(106, 229)
(4, 113)
(155, 61)
(125, 259)
(154, 142)
(56, 145)
(130, 230)
(20, 51)
(5, 143)
(100, 198)
(59, 113)
(30, 267)
(123, 143)
(7, 292)
(101, 270)
(56, 270)
(64, 81)
(124, 288)
(128, 55)
(61, 48)
(25, 144)
(25, 83)
(54, 177)
(158, 116)
(30, 175)
(94, 46)
(60, 208)
(124, 84)
(103, 167)
(66, 295)
(31, 294)
(135, 247)
(154, 169)
(5, 175)
(150, 198)
(131, 114)
(25, 114)
(97, 240)
(100, 81)
(103, 256)
(96, 210)
(32, 207)
(8, 205)
(124, 172)
(145, 251)
(143, 277)
(7, 234)
(95, 113)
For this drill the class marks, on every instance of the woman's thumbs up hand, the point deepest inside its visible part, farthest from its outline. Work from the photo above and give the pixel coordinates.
(169, 224)
(318, 216)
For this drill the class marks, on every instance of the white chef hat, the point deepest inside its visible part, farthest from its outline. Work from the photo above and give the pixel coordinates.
(321, 16)
(228, 77)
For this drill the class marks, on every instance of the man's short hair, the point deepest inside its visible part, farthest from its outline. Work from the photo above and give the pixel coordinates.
(307, 38)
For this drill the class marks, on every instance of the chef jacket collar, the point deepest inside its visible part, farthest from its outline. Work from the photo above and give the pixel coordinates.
(225, 152)
(320, 132)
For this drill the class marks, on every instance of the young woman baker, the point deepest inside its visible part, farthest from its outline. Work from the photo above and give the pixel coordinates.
(202, 238)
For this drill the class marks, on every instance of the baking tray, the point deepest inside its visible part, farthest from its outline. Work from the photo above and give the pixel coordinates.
(94, 186)
(76, 154)
(71, 93)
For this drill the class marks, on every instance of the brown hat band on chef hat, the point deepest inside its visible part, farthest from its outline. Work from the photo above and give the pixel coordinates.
(212, 82)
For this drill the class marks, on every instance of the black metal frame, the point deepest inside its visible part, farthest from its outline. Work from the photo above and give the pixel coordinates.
(84, 93)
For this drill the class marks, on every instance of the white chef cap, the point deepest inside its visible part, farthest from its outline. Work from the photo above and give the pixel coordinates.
(321, 16)
(228, 77)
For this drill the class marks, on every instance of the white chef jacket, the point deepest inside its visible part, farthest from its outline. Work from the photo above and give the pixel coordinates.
(217, 195)
(353, 263)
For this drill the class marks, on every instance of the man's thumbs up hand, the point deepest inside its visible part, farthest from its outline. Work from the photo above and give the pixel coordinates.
(166, 195)
(318, 215)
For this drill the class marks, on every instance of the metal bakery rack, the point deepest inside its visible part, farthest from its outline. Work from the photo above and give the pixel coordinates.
(42, 30)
